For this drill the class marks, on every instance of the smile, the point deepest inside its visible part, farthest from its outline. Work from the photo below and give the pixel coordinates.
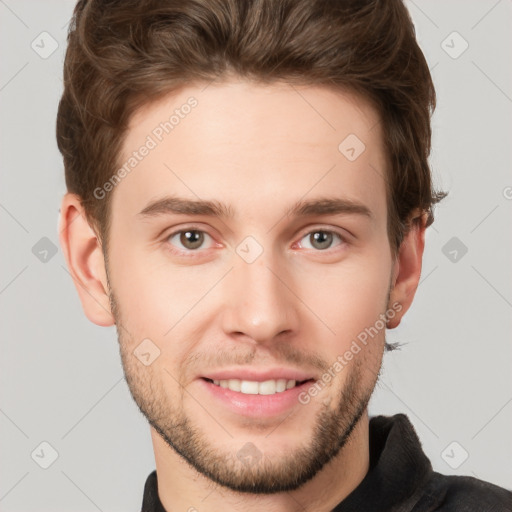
(250, 387)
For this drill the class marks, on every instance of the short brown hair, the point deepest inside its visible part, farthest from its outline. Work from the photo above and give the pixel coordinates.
(123, 54)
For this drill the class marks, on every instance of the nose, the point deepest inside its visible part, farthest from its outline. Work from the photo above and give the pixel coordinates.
(259, 302)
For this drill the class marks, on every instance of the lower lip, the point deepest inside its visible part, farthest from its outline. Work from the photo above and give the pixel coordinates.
(256, 405)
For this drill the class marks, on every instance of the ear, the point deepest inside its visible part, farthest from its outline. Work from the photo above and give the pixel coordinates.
(407, 268)
(84, 258)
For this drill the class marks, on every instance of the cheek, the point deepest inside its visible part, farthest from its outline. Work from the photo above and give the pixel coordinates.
(159, 301)
(149, 295)
(348, 298)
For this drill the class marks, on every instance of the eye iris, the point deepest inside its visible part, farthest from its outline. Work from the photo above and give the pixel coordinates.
(192, 239)
(321, 239)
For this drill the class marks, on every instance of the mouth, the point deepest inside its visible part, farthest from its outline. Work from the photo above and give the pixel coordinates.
(259, 400)
(252, 387)
(256, 392)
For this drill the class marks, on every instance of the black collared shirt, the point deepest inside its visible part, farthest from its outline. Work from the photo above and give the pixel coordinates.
(400, 479)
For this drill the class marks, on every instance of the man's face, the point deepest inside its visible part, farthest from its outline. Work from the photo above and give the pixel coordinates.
(259, 294)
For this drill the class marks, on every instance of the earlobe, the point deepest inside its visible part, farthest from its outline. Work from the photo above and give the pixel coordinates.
(84, 258)
(407, 271)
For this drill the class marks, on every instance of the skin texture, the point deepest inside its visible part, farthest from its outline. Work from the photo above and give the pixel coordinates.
(259, 149)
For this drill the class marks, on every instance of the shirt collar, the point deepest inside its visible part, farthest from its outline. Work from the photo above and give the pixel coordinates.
(399, 470)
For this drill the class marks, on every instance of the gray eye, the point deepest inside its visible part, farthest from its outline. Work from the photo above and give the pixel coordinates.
(189, 239)
(320, 239)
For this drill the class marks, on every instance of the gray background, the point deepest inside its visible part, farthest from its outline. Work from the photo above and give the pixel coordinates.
(61, 379)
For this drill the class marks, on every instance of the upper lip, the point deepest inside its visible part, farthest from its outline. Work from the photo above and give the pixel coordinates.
(258, 375)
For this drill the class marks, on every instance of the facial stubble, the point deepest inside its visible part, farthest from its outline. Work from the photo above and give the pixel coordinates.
(268, 474)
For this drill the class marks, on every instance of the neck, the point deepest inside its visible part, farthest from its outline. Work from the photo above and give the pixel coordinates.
(181, 487)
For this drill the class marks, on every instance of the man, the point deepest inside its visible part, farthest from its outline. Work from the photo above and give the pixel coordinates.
(248, 194)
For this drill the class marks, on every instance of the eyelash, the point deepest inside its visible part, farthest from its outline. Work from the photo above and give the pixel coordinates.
(191, 253)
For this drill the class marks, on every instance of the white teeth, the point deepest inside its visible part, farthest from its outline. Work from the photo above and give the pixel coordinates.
(249, 387)
(267, 387)
(280, 385)
(234, 384)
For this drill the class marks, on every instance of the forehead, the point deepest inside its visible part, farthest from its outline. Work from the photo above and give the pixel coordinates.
(246, 143)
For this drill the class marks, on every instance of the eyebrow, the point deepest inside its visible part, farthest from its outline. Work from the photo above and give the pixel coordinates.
(322, 206)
